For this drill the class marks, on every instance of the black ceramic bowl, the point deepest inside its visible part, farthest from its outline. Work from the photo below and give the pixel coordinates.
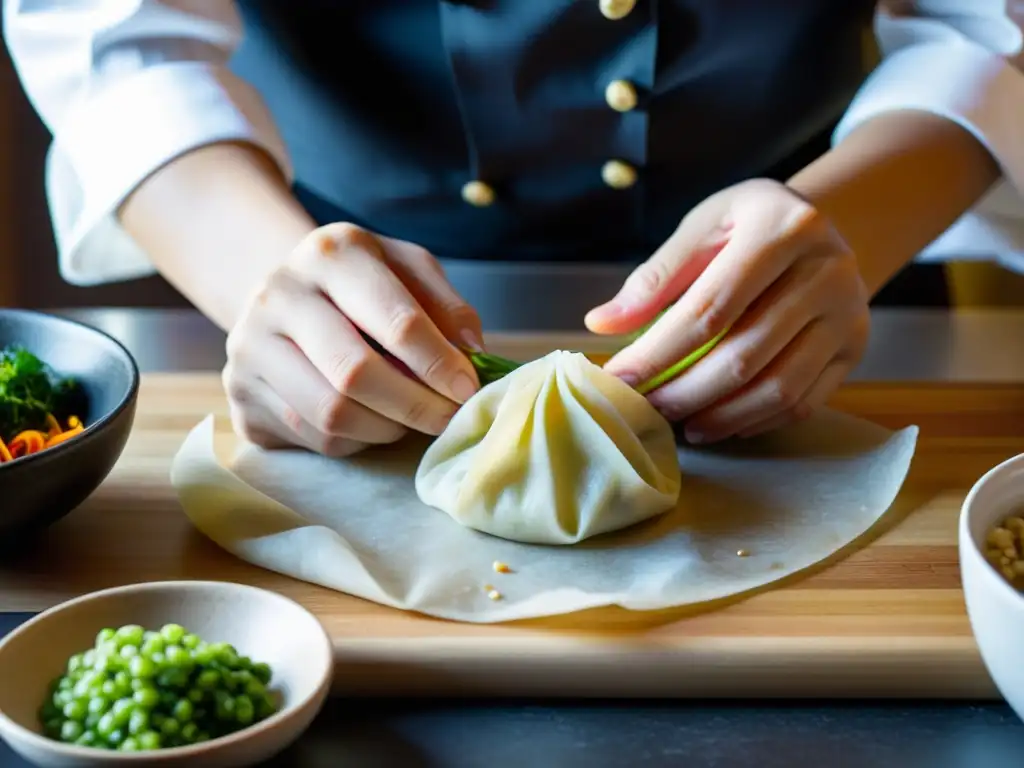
(38, 489)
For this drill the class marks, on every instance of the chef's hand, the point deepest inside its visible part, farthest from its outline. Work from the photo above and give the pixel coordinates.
(758, 260)
(300, 374)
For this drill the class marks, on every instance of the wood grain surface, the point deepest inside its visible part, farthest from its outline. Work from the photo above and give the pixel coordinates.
(887, 620)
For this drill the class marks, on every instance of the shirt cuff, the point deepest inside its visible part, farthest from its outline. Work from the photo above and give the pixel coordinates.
(958, 80)
(113, 140)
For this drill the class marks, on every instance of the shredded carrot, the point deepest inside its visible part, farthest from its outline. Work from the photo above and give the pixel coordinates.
(33, 441)
(29, 441)
(65, 435)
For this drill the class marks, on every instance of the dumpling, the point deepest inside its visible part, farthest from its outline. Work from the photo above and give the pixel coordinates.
(553, 453)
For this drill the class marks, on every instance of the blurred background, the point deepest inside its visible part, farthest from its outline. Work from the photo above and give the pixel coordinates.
(28, 263)
(28, 257)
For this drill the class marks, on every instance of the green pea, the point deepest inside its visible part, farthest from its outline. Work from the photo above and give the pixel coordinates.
(170, 727)
(183, 710)
(131, 744)
(130, 634)
(98, 705)
(76, 710)
(138, 722)
(122, 711)
(87, 739)
(75, 663)
(146, 698)
(208, 679)
(190, 640)
(106, 725)
(189, 732)
(91, 720)
(106, 662)
(195, 695)
(158, 658)
(225, 707)
(129, 651)
(116, 737)
(109, 688)
(172, 633)
(262, 672)
(89, 658)
(104, 636)
(149, 741)
(244, 710)
(153, 644)
(254, 689)
(71, 730)
(177, 655)
(140, 666)
(204, 655)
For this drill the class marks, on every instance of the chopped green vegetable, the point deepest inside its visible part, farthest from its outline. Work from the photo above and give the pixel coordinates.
(139, 691)
(490, 368)
(29, 390)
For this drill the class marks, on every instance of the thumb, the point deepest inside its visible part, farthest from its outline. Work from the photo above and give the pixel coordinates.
(663, 278)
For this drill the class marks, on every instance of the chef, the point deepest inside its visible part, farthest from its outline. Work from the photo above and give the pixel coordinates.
(296, 169)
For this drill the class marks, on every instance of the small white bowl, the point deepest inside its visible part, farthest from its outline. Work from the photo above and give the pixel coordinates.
(260, 624)
(995, 609)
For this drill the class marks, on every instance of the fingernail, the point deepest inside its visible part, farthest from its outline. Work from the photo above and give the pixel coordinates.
(472, 340)
(629, 378)
(463, 387)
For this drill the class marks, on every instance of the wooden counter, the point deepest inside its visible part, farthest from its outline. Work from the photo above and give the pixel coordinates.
(887, 621)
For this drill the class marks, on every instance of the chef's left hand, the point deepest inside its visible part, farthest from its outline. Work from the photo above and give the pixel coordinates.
(760, 261)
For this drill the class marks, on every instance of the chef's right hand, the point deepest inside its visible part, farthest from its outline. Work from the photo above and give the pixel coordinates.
(299, 373)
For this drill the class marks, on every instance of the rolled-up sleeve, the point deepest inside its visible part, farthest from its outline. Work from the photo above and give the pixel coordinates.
(125, 87)
(957, 60)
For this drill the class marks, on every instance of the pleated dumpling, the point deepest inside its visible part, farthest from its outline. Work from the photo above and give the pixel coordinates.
(553, 453)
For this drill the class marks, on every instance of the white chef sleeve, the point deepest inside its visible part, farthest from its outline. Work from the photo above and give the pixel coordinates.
(955, 58)
(125, 86)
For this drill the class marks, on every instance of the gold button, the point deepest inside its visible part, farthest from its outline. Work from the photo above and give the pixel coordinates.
(620, 95)
(477, 193)
(616, 9)
(618, 175)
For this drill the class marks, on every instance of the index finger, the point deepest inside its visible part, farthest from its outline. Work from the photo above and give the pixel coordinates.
(353, 273)
(759, 251)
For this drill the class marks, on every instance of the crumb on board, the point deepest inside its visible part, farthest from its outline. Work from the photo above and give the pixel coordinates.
(494, 594)
(500, 567)
(1004, 548)
(742, 553)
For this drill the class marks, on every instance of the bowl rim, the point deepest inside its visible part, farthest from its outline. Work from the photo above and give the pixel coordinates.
(125, 402)
(967, 509)
(73, 750)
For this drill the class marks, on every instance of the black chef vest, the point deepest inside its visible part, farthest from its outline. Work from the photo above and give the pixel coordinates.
(389, 108)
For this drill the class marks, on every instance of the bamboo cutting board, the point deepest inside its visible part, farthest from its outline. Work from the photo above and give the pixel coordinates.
(888, 620)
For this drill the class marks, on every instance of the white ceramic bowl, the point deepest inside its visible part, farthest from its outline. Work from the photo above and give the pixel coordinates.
(995, 609)
(260, 624)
